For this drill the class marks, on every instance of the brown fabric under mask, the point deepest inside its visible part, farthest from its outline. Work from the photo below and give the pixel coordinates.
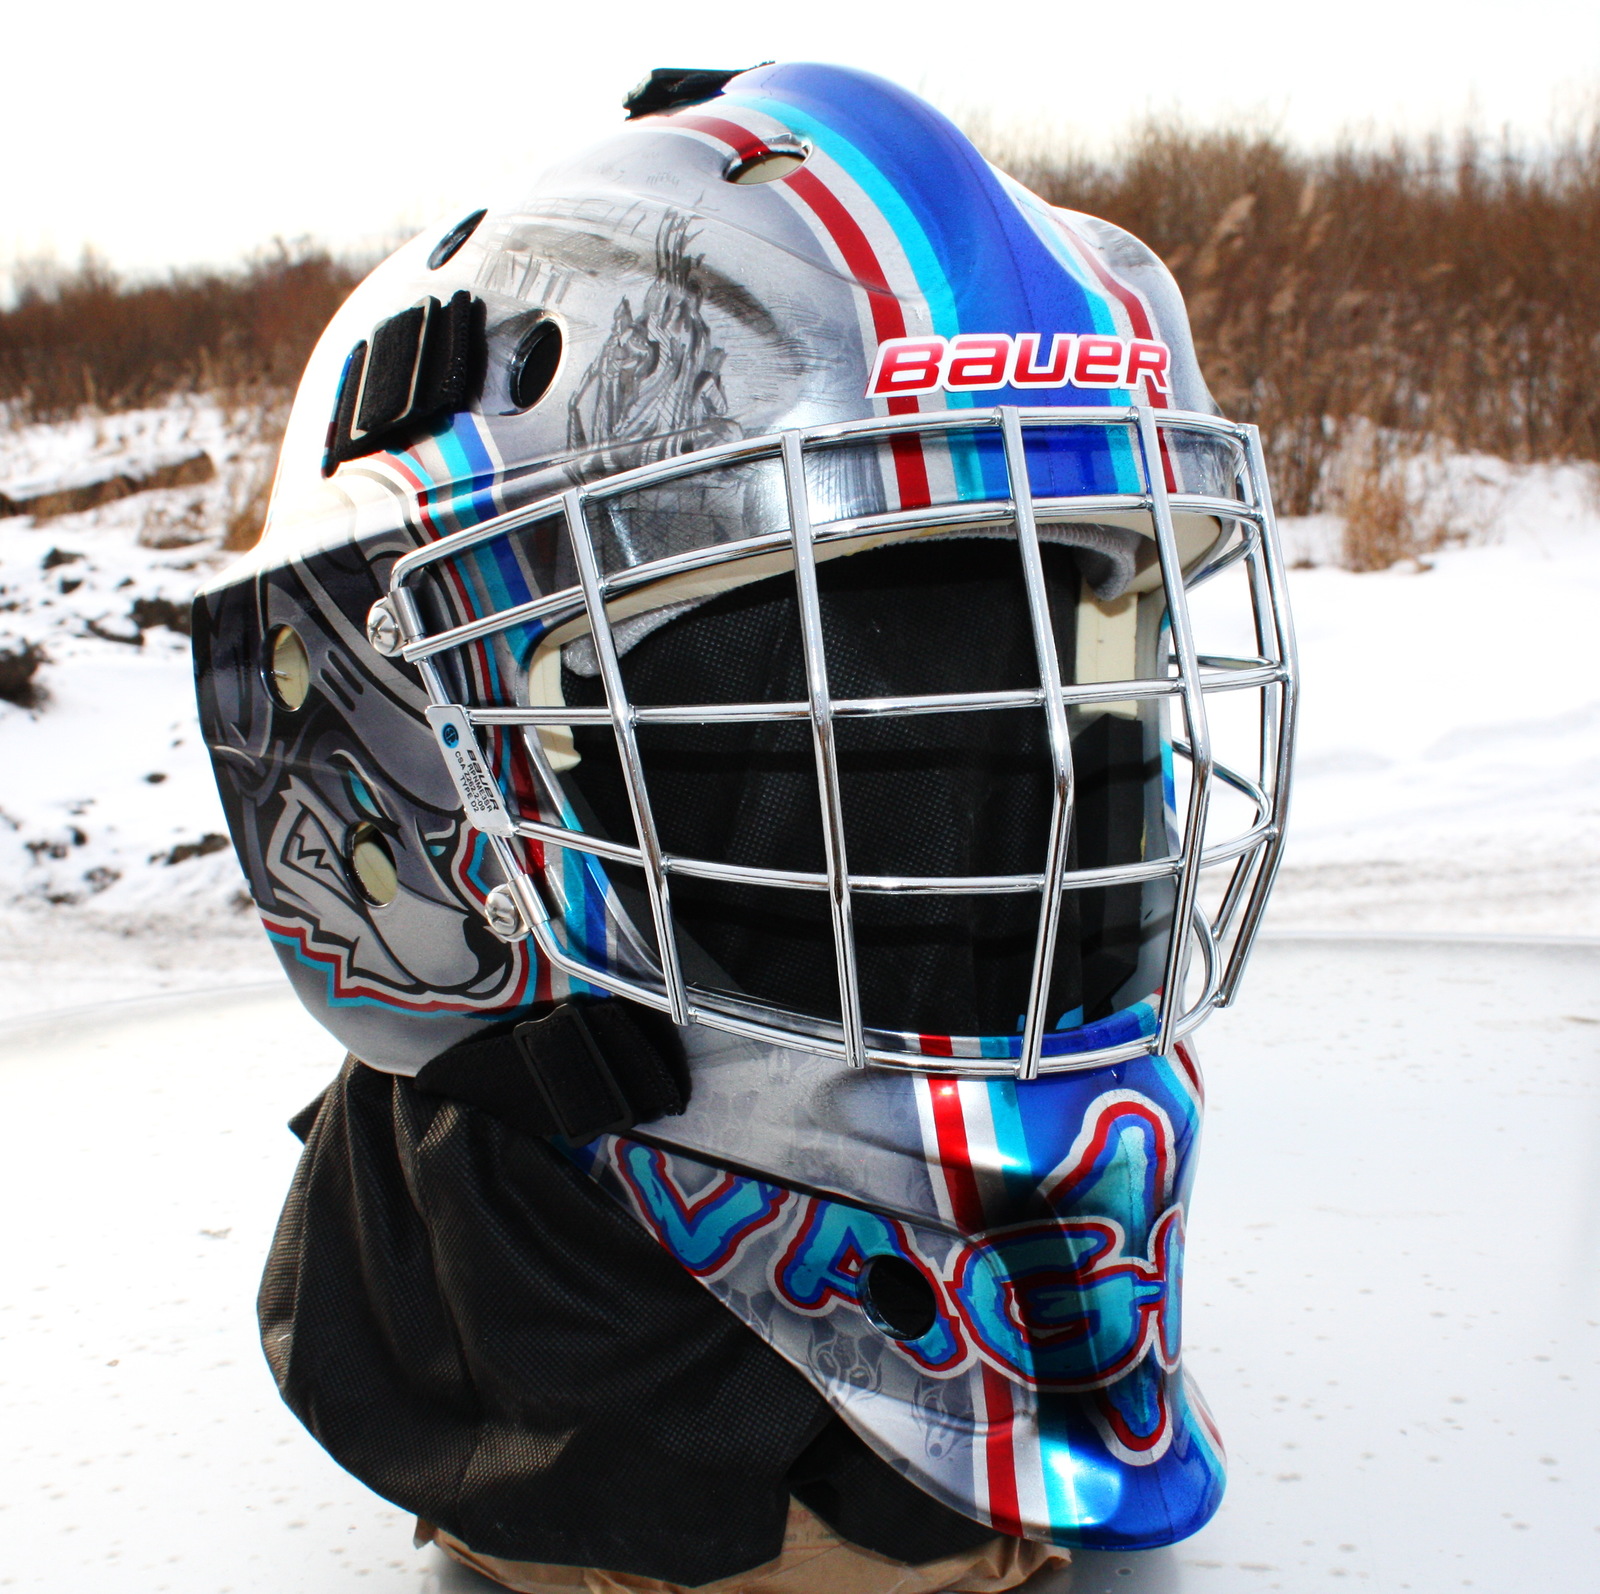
(814, 1561)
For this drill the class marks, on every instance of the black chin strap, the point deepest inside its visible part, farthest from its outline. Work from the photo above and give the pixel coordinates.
(584, 1069)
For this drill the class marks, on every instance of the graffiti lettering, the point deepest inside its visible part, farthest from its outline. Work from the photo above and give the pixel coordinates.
(705, 1231)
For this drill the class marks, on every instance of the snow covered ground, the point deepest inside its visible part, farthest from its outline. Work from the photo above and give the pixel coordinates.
(1449, 772)
(1403, 1359)
(1449, 757)
(114, 876)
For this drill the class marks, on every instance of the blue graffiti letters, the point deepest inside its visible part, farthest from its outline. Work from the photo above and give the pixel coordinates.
(704, 1231)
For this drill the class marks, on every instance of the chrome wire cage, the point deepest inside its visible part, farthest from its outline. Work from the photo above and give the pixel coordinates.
(1244, 864)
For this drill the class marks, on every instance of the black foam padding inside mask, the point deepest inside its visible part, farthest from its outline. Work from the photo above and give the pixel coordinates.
(926, 794)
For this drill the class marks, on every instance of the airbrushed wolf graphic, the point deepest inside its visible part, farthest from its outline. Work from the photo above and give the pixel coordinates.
(298, 787)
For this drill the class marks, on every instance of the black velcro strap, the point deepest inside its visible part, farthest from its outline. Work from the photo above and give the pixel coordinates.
(389, 383)
(422, 364)
(584, 1069)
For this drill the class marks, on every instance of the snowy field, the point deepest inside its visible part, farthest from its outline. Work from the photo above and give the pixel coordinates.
(1449, 774)
(1449, 768)
(114, 881)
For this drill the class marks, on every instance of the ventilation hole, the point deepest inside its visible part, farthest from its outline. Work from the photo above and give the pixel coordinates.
(372, 865)
(897, 1297)
(445, 249)
(768, 166)
(533, 366)
(288, 672)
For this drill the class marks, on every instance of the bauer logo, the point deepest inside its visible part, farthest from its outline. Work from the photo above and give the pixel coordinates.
(977, 362)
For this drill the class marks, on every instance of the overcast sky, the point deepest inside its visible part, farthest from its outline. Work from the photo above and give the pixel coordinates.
(176, 131)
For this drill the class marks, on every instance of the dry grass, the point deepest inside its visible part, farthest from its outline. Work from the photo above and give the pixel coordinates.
(1362, 305)
(247, 501)
(1448, 292)
(1373, 489)
(84, 338)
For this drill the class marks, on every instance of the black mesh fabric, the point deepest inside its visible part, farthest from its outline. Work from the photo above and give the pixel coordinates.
(933, 794)
(482, 1336)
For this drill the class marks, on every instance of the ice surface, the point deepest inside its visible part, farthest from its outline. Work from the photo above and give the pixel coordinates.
(1393, 1293)
(1393, 1296)
(146, 1448)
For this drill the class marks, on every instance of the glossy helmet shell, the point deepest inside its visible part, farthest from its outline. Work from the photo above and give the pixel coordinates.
(982, 1273)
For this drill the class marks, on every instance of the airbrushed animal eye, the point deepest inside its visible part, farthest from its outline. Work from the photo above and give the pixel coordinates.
(288, 668)
(361, 797)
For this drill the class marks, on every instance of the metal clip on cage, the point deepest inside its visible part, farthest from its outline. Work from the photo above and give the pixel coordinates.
(1224, 935)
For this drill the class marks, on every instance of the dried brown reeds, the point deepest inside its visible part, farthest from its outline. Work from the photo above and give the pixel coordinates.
(1372, 485)
(1433, 290)
(84, 337)
(251, 488)
(1361, 304)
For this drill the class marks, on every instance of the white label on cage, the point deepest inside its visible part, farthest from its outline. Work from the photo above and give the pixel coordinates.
(480, 794)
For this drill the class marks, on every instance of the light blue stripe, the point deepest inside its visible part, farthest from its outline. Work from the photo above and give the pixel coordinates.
(931, 279)
(1016, 1165)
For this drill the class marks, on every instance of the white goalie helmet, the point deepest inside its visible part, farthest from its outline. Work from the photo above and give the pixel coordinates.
(784, 574)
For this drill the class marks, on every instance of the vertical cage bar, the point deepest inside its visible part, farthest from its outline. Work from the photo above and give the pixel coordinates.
(823, 743)
(622, 721)
(1194, 711)
(1242, 878)
(1283, 754)
(1061, 797)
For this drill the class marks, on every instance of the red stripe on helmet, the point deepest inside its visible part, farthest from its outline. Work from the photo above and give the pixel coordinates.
(888, 320)
(745, 144)
(955, 1156)
(1000, 1456)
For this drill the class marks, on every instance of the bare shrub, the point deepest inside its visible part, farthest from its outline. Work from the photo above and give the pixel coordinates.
(248, 515)
(1382, 513)
(251, 486)
(19, 664)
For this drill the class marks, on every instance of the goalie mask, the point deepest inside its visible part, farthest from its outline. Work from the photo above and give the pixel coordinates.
(783, 574)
